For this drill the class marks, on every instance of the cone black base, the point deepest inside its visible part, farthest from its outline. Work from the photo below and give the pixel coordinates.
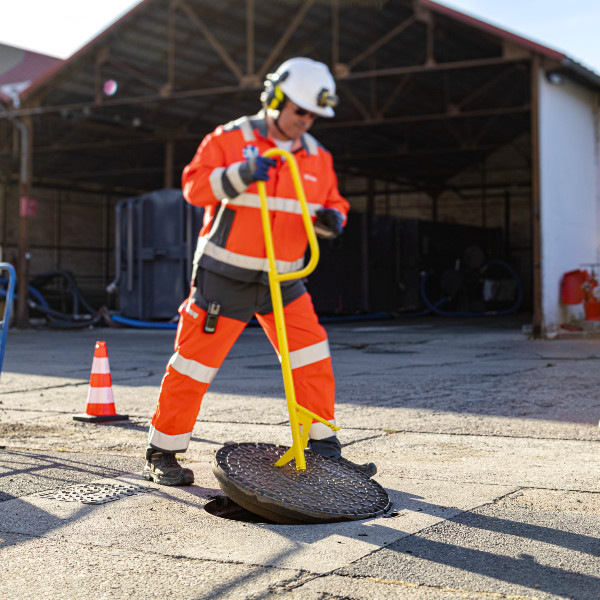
(100, 419)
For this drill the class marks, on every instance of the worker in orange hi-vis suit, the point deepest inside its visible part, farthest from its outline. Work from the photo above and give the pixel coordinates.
(230, 277)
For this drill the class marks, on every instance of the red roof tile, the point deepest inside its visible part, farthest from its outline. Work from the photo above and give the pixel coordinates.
(19, 68)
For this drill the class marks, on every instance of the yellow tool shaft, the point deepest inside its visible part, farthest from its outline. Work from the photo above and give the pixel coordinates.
(298, 414)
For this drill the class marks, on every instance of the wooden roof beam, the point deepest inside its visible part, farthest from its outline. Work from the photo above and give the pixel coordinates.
(210, 38)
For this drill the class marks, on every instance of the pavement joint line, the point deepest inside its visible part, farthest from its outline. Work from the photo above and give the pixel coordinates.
(364, 439)
(402, 535)
(552, 489)
(44, 388)
(409, 584)
(33, 410)
(86, 382)
(569, 358)
(125, 424)
(494, 435)
(492, 484)
(149, 488)
(459, 512)
(499, 498)
(427, 365)
(30, 536)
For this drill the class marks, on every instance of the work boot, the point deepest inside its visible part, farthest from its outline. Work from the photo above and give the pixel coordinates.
(162, 467)
(331, 448)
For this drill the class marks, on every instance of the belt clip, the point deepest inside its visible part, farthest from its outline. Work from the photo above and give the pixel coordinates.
(212, 316)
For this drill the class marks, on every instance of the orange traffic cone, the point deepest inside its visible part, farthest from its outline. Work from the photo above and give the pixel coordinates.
(100, 400)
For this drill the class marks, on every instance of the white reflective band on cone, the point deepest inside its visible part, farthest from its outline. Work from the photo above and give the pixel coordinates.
(103, 395)
(100, 365)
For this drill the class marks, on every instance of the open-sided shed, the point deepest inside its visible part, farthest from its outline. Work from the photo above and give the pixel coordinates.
(448, 130)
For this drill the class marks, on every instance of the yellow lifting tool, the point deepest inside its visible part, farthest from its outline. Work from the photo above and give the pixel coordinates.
(300, 418)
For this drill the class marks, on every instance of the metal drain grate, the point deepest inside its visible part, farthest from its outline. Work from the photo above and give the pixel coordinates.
(95, 493)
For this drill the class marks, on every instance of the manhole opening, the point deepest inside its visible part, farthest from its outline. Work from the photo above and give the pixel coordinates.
(226, 508)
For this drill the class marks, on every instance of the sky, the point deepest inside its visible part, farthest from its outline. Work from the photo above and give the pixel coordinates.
(61, 27)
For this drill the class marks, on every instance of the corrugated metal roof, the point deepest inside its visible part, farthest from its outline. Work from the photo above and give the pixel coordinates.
(493, 29)
(573, 67)
(20, 68)
(436, 90)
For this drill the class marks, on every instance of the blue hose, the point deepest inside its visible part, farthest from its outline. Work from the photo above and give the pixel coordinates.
(143, 324)
(253, 322)
(431, 307)
(33, 291)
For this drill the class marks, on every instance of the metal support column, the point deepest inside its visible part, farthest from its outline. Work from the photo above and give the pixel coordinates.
(25, 130)
(535, 200)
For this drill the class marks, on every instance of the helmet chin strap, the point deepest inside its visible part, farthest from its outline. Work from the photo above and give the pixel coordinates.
(276, 121)
(274, 116)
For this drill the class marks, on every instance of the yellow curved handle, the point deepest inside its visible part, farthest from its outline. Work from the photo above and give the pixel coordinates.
(300, 417)
(306, 219)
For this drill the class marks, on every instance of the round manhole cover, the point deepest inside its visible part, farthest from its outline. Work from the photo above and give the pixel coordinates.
(327, 491)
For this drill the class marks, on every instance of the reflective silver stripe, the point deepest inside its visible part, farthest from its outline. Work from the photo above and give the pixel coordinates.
(253, 263)
(309, 355)
(286, 205)
(246, 127)
(311, 144)
(233, 174)
(197, 371)
(189, 310)
(170, 443)
(215, 183)
(318, 431)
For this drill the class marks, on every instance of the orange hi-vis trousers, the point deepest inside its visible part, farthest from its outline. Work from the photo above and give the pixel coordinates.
(198, 356)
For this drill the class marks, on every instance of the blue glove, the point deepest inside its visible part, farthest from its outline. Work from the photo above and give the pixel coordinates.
(261, 171)
(255, 168)
(329, 223)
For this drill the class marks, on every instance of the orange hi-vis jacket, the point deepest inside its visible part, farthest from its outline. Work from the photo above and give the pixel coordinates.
(231, 241)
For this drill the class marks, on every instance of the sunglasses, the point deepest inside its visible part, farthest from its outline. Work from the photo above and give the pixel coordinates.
(301, 112)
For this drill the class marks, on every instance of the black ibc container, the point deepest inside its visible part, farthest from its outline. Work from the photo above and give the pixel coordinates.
(156, 236)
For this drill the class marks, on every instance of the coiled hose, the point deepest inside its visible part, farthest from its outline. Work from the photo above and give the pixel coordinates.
(36, 301)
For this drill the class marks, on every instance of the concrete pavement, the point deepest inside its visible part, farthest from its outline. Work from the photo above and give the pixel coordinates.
(486, 441)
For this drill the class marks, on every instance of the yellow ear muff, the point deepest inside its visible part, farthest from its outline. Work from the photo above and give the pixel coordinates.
(273, 96)
(276, 98)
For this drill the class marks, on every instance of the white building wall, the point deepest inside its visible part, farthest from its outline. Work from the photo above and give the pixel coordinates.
(569, 194)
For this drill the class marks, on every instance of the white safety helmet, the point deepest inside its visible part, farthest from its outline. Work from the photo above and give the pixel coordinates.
(306, 82)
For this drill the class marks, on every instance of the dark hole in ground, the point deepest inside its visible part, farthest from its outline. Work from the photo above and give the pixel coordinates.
(226, 508)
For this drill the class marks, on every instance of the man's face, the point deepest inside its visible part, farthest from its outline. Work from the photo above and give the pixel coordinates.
(294, 121)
